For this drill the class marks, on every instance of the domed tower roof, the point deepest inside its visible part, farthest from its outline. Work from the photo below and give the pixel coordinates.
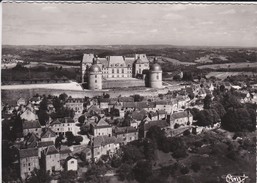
(155, 67)
(95, 68)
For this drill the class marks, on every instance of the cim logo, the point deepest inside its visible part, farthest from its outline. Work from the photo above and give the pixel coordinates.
(235, 178)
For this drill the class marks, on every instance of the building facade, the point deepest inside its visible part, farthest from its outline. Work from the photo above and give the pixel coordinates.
(94, 70)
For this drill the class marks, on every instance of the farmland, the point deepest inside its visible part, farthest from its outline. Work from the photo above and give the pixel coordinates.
(224, 75)
(229, 66)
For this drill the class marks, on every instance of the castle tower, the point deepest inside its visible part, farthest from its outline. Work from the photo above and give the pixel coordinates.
(95, 76)
(155, 75)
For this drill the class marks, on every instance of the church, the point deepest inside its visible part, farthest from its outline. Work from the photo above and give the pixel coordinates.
(95, 70)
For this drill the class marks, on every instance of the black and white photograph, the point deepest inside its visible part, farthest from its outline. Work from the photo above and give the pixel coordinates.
(128, 92)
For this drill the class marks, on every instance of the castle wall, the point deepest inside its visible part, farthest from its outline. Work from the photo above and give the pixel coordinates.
(155, 79)
(95, 81)
(122, 83)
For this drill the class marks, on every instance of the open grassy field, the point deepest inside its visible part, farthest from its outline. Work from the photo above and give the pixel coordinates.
(176, 62)
(224, 75)
(229, 66)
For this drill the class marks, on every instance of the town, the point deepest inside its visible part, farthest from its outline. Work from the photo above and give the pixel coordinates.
(56, 134)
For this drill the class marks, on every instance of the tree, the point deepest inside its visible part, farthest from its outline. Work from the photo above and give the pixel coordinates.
(131, 153)
(195, 166)
(142, 171)
(43, 117)
(70, 138)
(84, 129)
(39, 176)
(81, 119)
(63, 97)
(78, 139)
(138, 98)
(68, 177)
(149, 149)
(207, 102)
(106, 95)
(238, 120)
(125, 172)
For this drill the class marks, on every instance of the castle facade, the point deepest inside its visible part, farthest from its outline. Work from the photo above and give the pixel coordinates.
(94, 70)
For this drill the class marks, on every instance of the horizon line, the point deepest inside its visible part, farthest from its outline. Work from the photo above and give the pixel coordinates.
(52, 45)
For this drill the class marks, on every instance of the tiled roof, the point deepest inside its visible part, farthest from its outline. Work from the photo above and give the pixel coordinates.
(102, 124)
(31, 140)
(56, 122)
(86, 150)
(103, 140)
(129, 61)
(182, 114)
(66, 120)
(75, 100)
(48, 133)
(159, 123)
(162, 102)
(65, 150)
(31, 124)
(122, 130)
(104, 100)
(103, 61)
(129, 104)
(45, 144)
(161, 112)
(126, 99)
(152, 114)
(31, 152)
(51, 150)
(88, 58)
(138, 115)
(116, 61)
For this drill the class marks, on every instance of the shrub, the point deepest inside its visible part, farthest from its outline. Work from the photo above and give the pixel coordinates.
(195, 166)
(184, 170)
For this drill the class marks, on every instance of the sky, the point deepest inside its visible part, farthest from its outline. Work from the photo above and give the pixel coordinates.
(130, 24)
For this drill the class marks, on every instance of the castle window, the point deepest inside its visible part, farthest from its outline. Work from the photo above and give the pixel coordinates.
(122, 70)
(139, 65)
(112, 70)
(118, 71)
(95, 81)
(95, 76)
(157, 77)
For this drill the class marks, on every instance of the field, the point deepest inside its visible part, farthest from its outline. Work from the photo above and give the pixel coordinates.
(229, 66)
(224, 75)
(176, 62)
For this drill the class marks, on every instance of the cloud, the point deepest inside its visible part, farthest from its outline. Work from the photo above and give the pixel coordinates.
(172, 16)
(153, 31)
(50, 9)
(103, 16)
(228, 12)
(206, 23)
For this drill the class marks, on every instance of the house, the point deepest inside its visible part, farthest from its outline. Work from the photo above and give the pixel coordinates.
(29, 115)
(48, 135)
(76, 104)
(28, 160)
(86, 154)
(101, 128)
(21, 101)
(127, 134)
(104, 103)
(162, 114)
(138, 116)
(153, 115)
(144, 127)
(43, 145)
(30, 141)
(104, 145)
(31, 127)
(164, 105)
(71, 164)
(50, 158)
(180, 119)
(64, 152)
(62, 125)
